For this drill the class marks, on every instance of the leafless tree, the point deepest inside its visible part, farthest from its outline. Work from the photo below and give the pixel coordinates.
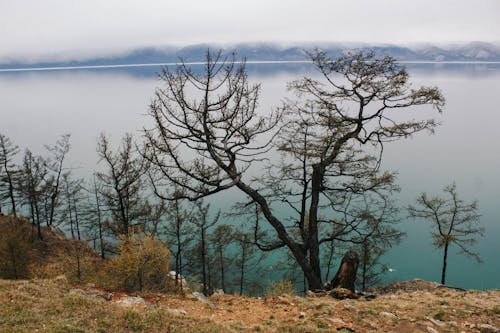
(220, 239)
(32, 186)
(207, 134)
(453, 221)
(246, 259)
(121, 182)
(8, 171)
(55, 164)
(200, 250)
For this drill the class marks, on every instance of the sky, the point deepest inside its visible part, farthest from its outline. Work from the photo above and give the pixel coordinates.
(43, 29)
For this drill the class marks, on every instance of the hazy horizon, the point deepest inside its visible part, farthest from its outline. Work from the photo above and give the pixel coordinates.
(30, 29)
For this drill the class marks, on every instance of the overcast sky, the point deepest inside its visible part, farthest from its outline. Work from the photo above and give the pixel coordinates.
(43, 28)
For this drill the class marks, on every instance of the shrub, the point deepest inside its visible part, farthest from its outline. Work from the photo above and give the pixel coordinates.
(282, 287)
(16, 248)
(141, 264)
(74, 259)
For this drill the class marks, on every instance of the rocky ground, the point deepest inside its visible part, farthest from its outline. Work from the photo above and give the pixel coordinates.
(416, 306)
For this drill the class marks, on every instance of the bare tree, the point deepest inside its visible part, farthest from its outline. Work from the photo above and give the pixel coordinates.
(453, 221)
(8, 172)
(179, 232)
(96, 213)
(32, 181)
(121, 182)
(246, 258)
(206, 130)
(56, 166)
(220, 239)
(202, 223)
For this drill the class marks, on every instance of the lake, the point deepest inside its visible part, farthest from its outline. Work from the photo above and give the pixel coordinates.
(37, 107)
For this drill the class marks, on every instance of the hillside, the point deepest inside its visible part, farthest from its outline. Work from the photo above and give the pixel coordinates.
(56, 306)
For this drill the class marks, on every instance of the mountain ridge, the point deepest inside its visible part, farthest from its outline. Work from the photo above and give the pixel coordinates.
(470, 52)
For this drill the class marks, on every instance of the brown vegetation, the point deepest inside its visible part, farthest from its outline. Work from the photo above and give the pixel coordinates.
(56, 306)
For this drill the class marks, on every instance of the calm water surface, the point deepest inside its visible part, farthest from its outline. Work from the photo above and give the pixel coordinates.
(37, 107)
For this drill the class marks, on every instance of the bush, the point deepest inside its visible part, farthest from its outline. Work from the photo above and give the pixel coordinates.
(16, 248)
(282, 287)
(141, 264)
(74, 259)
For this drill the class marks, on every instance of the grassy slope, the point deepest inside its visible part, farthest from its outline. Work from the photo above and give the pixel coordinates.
(55, 306)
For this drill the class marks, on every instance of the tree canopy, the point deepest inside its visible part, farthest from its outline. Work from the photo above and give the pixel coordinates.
(207, 133)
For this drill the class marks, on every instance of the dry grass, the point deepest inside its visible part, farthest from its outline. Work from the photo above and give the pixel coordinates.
(53, 306)
(56, 306)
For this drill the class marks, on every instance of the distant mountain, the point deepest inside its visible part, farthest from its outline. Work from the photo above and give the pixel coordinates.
(476, 51)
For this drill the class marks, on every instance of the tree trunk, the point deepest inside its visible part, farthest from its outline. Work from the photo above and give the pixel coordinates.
(99, 219)
(312, 230)
(312, 270)
(364, 264)
(203, 263)
(346, 275)
(242, 268)
(11, 193)
(445, 257)
(222, 277)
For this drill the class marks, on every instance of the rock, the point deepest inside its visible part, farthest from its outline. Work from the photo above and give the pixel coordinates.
(388, 314)
(179, 311)
(302, 315)
(436, 322)
(204, 299)
(486, 328)
(133, 301)
(431, 330)
(336, 321)
(218, 292)
(172, 275)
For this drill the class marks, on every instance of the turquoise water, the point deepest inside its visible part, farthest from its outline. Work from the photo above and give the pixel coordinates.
(36, 108)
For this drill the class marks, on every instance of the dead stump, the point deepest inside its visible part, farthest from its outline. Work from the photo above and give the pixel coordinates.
(346, 275)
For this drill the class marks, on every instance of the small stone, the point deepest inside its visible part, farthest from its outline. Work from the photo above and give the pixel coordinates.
(132, 301)
(336, 321)
(431, 330)
(179, 311)
(436, 322)
(302, 315)
(486, 328)
(204, 299)
(388, 314)
(218, 292)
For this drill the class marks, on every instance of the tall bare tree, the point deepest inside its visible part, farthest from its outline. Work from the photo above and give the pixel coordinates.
(206, 130)
(200, 250)
(8, 171)
(32, 185)
(221, 238)
(121, 182)
(55, 164)
(453, 222)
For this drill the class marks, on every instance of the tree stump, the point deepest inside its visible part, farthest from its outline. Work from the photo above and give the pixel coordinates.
(346, 275)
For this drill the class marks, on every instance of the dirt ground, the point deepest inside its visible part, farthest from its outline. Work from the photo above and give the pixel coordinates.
(417, 306)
